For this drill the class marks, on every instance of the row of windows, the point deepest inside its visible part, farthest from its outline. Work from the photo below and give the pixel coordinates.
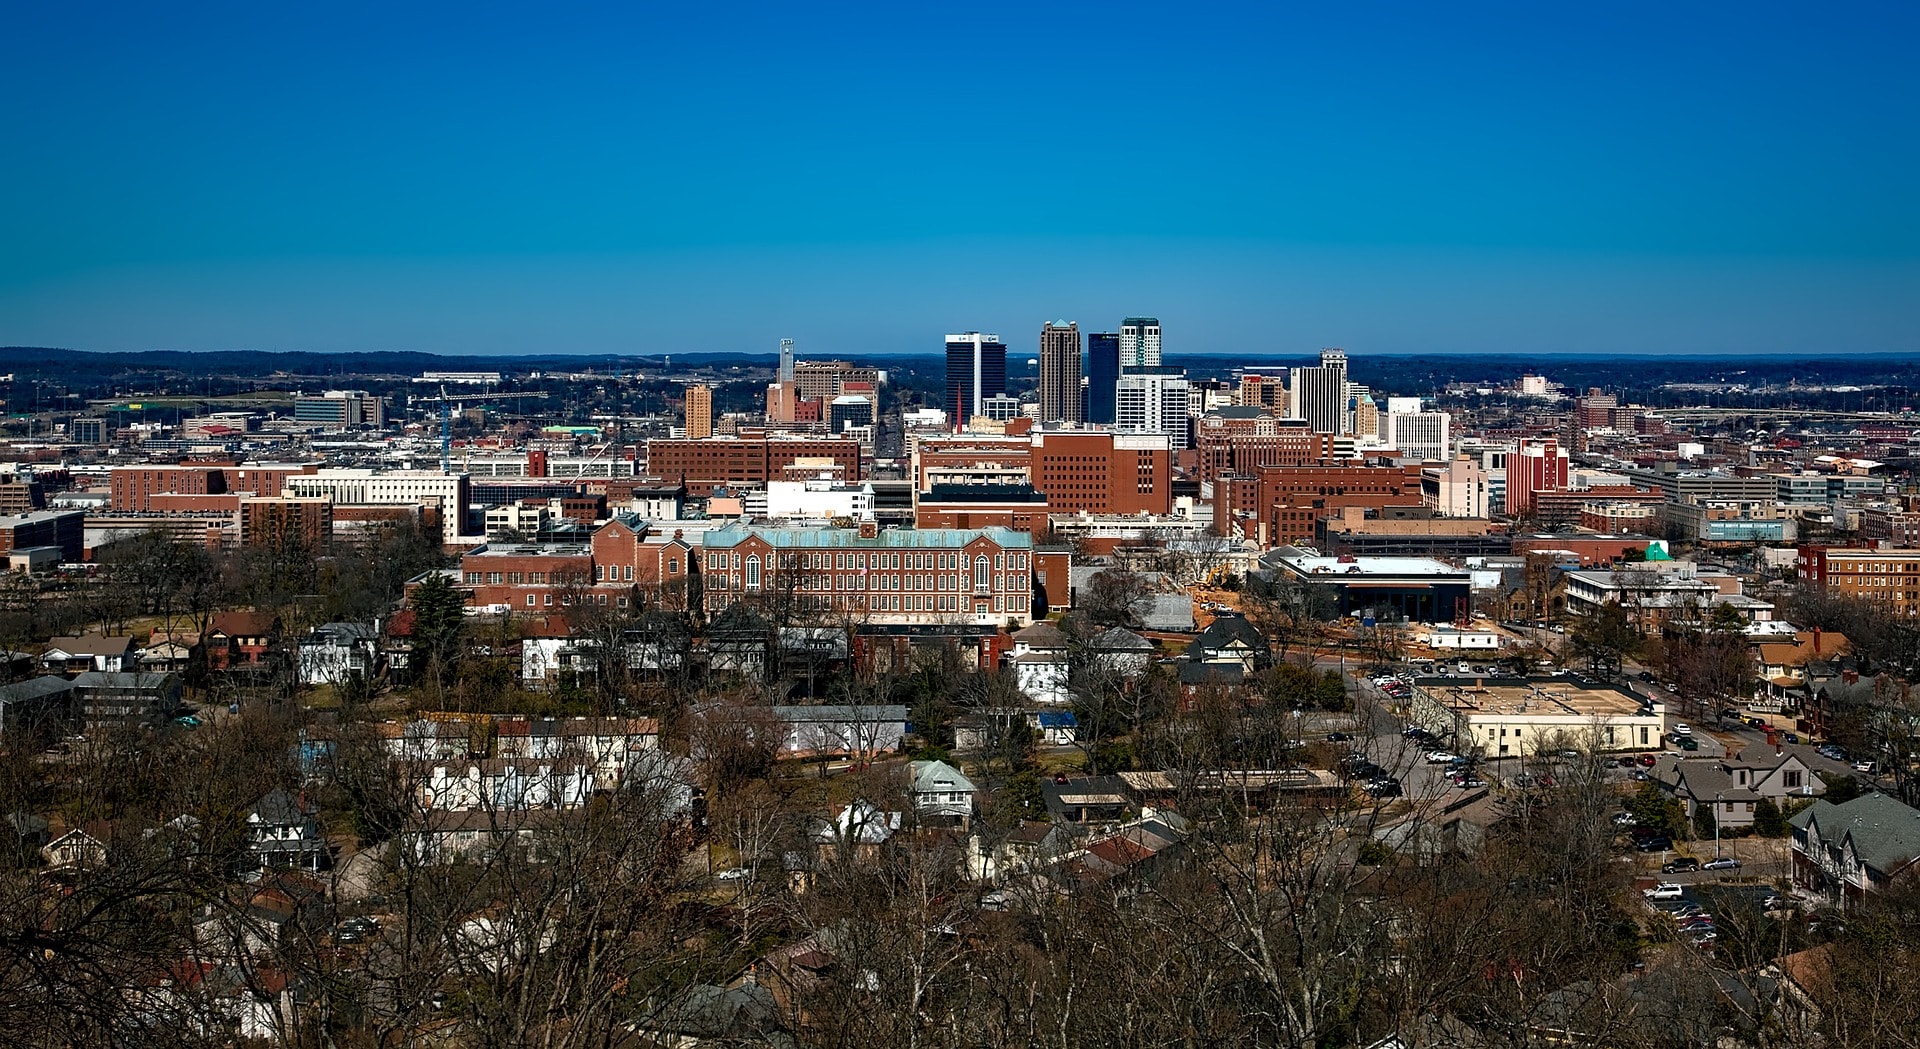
(911, 562)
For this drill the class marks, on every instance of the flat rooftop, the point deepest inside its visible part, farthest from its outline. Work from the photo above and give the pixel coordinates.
(1388, 566)
(1536, 697)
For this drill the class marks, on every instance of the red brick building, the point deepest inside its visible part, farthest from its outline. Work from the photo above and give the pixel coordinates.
(720, 462)
(132, 487)
(526, 577)
(1241, 440)
(1091, 471)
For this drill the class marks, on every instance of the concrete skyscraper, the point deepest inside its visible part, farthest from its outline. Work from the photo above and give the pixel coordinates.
(1155, 400)
(976, 370)
(1140, 342)
(1319, 395)
(786, 361)
(1060, 372)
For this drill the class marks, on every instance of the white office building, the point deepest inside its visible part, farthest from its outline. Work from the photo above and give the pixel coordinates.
(1155, 402)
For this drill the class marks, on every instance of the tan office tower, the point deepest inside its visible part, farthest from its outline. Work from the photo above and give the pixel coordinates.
(1060, 372)
(699, 413)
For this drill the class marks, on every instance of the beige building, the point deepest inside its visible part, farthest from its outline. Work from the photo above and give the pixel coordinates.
(699, 413)
(1510, 717)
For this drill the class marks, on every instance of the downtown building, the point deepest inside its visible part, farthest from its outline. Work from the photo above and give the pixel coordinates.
(1139, 343)
(1319, 395)
(976, 373)
(749, 461)
(1155, 400)
(1060, 360)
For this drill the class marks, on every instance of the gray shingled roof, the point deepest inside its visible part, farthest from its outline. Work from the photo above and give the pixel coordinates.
(1885, 833)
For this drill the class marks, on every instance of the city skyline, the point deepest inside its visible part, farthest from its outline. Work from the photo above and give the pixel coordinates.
(1407, 181)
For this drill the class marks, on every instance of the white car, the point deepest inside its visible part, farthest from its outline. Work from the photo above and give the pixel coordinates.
(731, 874)
(1440, 757)
(1683, 730)
(1666, 890)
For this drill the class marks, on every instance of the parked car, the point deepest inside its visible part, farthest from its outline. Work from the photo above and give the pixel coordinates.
(1654, 844)
(1683, 729)
(1440, 757)
(1339, 737)
(1628, 762)
(1680, 865)
(1664, 891)
(1757, 722)
(1646, 760)
(731, 874)
(1470, 782)
(1640, 777)
(1384, 788)
(1832, 750)
(1623, 819)
(354, 930)
(1867, 767)
(1724, 863)
(1790, 737)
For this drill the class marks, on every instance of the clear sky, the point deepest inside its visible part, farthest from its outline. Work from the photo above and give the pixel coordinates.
(1267, 178)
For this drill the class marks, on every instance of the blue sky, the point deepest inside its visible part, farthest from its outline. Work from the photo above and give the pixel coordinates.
(656, 178)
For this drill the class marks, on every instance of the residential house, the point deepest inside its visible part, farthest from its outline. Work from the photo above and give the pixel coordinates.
(240, 640)
(1785, 667)
(507, 784)
(333, 652)
(940, 793)
(710, 1015)
(78, 655)
(1039, 663)
(609, 745)
(105, 700)
(75, 851)
(1847, 851)
(477, 834)
(1733, 788)
(283, 833)
(861, 826)
(1232, 639)
(38, 703)
(850, 731)
(1124, 858)
(1121, 650)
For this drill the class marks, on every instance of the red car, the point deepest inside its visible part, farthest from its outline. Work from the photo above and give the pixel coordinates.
(1646, 760)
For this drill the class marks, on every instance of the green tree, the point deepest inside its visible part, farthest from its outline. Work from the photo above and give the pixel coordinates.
(1652, 807)
(1768, 821)
(1604, 637)
(439, 628)
(1704, 820)
(1842, 789)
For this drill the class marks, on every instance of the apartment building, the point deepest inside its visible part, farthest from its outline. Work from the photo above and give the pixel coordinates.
(1884, 576)
(737, 462)
(448, 493)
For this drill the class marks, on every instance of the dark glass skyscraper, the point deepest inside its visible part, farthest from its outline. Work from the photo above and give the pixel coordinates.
(976, 370)
(1103, 375)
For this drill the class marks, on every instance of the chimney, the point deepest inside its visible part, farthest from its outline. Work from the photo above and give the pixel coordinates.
(869, 530)
(1816, 641)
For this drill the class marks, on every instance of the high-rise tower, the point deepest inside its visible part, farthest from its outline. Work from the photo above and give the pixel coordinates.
(1103, 373)
(1140, 342)
(1060, 372)
(1319, 395)
(976, 370)
(699, 412)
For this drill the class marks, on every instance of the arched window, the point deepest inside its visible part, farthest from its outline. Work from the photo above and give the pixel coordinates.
(982, 573)
(753, 571)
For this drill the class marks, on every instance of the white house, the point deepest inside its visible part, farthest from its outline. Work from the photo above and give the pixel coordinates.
(940, 792)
